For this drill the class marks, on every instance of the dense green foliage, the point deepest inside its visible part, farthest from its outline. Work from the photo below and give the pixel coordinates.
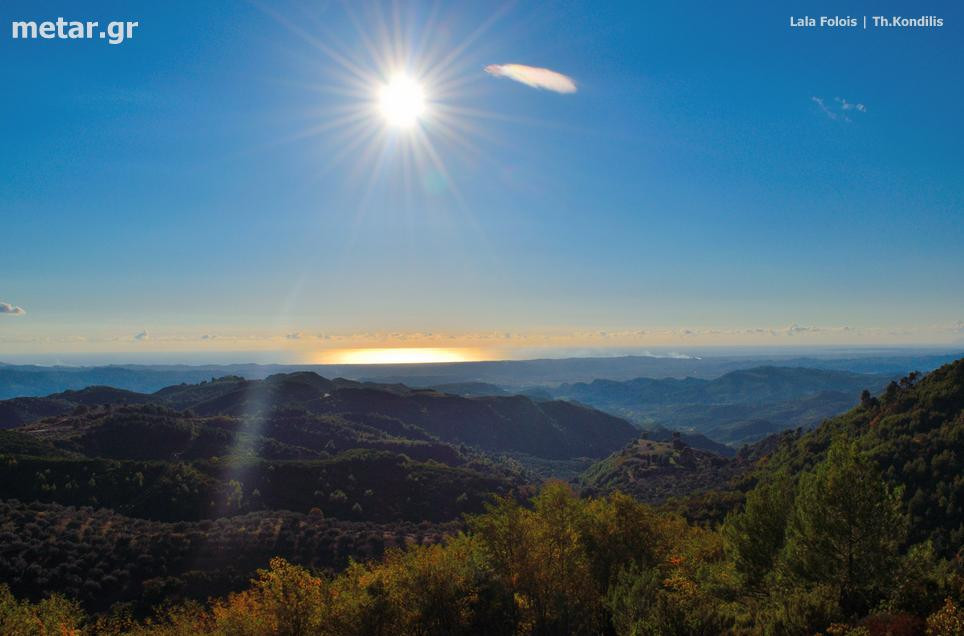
(914, 433)
(845, 529)
(756, 536)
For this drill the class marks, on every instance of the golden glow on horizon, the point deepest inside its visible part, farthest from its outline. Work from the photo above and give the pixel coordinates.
(398, 355)
(401, 101)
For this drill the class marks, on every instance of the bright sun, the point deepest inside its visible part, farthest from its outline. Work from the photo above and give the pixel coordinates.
(401, 101)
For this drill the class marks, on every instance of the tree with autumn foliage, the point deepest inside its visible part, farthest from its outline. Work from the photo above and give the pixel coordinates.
(54, 615)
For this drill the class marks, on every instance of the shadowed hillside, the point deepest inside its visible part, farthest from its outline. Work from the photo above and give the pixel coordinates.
(553, 430)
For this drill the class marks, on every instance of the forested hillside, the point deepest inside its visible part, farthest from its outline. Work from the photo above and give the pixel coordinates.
(914, 434)
(653, 471)
(853, 528)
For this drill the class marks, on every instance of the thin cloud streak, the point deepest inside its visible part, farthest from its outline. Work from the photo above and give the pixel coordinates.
(826, 111)
(534, 76)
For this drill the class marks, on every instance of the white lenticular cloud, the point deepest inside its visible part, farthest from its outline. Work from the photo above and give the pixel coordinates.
(533, 76)
(11, 310)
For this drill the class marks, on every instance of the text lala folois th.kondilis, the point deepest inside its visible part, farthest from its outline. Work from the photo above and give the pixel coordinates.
(851, 22)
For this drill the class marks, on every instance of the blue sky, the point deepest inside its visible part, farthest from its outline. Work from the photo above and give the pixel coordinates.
(197, 180)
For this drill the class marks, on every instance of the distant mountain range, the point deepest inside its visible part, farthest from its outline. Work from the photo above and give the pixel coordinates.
(510, 375)
(736, 408)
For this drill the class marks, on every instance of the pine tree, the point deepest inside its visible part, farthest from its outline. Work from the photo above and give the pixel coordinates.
(845, 529)
(755, 536)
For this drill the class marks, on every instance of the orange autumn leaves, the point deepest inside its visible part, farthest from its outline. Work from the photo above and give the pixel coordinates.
(520, 570)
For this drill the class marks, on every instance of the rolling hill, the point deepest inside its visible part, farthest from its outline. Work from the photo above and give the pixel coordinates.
(509, 423)
(298, 441)
(654, 471)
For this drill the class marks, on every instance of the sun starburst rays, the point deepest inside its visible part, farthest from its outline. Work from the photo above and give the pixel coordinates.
(394, 101)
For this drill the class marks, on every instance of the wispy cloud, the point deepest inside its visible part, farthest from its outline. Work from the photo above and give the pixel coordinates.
(845, 105)
(839, 108)
(795, 329)
(534, 76)
(6, 309)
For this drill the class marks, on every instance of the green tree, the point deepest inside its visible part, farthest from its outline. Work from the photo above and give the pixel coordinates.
(845, 529)
(755, 536)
